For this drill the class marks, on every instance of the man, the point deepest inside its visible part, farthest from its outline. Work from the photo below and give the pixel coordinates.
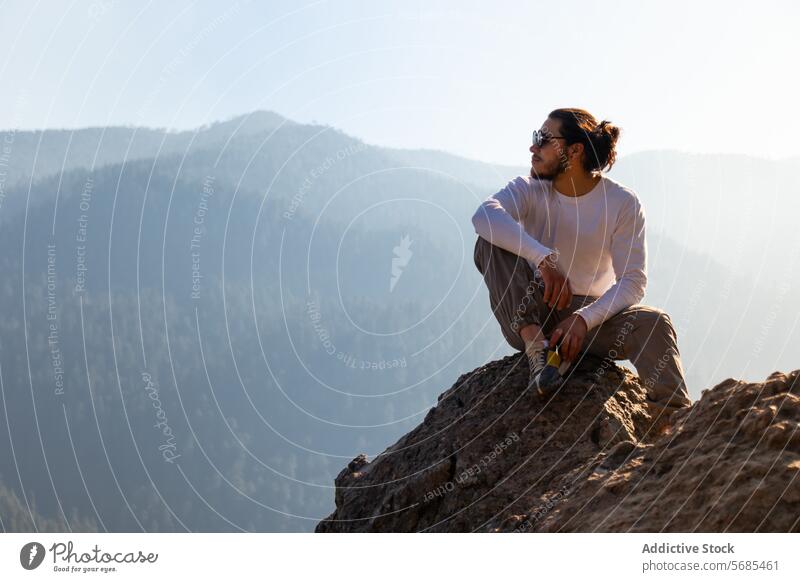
(563, 254)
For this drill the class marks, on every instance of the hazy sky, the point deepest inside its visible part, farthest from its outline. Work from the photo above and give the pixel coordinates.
(467, 77)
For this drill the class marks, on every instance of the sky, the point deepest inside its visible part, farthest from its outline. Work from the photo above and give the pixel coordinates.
(468, 77)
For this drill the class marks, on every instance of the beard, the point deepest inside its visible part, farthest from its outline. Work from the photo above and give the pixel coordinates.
(550, 173)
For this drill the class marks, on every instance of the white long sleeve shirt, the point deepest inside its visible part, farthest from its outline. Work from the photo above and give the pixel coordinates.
(599, 238)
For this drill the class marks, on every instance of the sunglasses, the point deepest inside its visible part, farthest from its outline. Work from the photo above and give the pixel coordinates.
(541, 139)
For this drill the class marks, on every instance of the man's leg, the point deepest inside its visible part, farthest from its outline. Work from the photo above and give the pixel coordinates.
(645, 336)
(515, 295)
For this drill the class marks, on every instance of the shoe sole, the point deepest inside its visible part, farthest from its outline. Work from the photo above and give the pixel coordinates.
(551, 387)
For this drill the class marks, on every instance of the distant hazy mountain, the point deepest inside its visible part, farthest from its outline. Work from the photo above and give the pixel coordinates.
(740, 210)
(54, 151)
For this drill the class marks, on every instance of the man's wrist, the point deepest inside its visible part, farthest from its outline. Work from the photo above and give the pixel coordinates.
(550, 260)
(584, 318)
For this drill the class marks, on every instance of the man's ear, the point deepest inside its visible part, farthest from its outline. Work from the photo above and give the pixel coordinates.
(576, 151)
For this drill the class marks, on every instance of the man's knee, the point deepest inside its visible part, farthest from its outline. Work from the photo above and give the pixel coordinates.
(655, 338)
(481, 253)
(657, 320)
(646, 318)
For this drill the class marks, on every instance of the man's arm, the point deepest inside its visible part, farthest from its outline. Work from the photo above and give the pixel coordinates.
(629, 258)
(498, 221)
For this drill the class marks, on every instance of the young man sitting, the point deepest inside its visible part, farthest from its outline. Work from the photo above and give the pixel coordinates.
(563, 254)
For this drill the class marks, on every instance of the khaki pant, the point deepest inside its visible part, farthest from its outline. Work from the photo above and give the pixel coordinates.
(642, 334)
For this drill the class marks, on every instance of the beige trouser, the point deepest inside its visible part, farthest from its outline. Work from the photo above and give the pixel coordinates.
(642, 334)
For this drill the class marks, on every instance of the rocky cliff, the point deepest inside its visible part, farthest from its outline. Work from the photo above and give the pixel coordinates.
(493, 457)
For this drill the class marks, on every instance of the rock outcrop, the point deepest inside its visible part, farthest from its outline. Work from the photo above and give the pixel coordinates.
(493, 457)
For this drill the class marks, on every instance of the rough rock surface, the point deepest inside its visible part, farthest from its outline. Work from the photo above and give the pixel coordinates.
(491, 456)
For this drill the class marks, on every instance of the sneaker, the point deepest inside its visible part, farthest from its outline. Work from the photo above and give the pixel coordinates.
(544, 375)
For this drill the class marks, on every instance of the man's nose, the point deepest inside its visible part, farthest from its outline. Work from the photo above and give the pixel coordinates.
(533, 149)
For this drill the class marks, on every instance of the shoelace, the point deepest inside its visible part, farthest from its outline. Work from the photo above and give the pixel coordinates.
(537, 358)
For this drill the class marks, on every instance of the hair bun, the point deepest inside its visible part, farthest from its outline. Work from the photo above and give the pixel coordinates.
(606, 128)
(605, 137)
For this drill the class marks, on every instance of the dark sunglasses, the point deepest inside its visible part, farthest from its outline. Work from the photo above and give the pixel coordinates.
(541, 139)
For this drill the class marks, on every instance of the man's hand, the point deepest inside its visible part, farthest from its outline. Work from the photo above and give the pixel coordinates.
(556, 286)
(571, 331)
